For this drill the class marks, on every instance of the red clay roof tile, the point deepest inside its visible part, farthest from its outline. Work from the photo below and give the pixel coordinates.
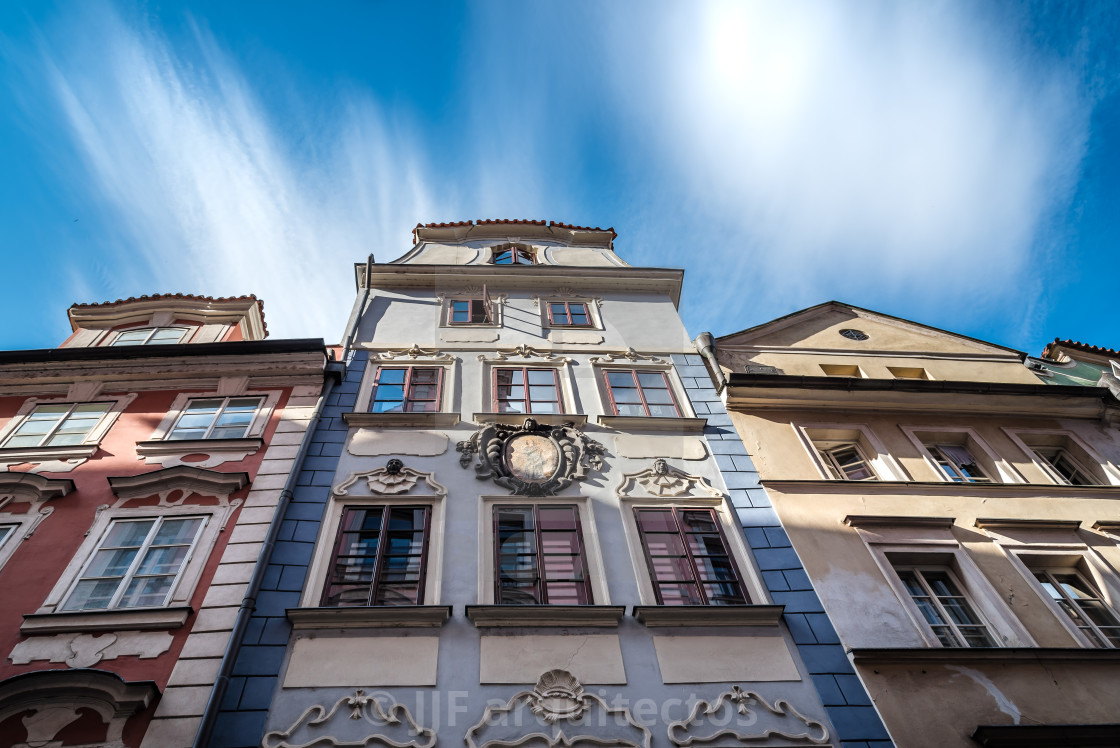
(1100, 350)
(189, 296)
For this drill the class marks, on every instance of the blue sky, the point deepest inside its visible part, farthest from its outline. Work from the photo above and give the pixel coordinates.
(948, 162)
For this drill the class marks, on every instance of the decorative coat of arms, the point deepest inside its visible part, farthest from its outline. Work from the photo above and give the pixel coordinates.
(532, 459)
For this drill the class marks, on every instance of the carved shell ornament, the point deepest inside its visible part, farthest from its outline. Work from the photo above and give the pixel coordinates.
(360, 720)
(557, 712)
(532, 459)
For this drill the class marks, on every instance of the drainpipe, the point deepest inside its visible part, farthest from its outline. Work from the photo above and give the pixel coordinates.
(355, 315)
(707, 348)
(335, 372)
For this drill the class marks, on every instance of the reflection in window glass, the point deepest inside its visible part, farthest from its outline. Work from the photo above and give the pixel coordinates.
(136, 565)
(689, 563)
(216, 418)
(540, 558)
(64, 424)
(379, 557)
(946, 611)
(526, 390)
(1080, 601)
(407, 389)
(641, 393)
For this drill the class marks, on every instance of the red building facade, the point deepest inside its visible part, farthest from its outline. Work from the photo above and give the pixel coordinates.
(142, 465)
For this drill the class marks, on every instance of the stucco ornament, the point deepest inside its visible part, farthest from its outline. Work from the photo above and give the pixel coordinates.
(739, 716)
(662, 480)
(630, 356)
(354, 721)
(392, 479)
(556, 712)
(86, 650)
(532, 459)
(414, 353)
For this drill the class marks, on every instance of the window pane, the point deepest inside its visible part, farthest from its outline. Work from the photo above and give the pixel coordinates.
(664, 544)
(542, 394)
(723, 594)
(622, 396)
(558, 518)
(132, 337)
(390, 376)
(425, 376)
(567, 593)
(146, 592)
(649, 379)
(510, 376)
(165, 335)
(656, 520)
(512, 406)
(92, 594)
(176, 531)
(163, 560)
(542, 376)
(671, 569)
(620, 379)
(660, 397)
(128, 534)
(111, 563)
(680, 594)
(662, 411)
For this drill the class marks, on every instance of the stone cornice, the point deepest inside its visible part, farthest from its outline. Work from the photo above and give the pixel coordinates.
(391, 616)
(709, 615)
(937, 488)
(946, 655)
(545, 615)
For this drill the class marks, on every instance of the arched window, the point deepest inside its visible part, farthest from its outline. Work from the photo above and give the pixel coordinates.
(513, 254)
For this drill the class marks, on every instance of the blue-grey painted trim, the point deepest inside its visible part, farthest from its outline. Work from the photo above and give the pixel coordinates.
(842, 693)
(255, 673)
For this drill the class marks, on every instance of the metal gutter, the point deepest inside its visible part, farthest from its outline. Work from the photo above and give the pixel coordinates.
(356, 312)
(113, 353)
(334, 372)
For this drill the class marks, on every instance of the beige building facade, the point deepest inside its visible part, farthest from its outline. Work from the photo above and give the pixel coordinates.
(957, 516)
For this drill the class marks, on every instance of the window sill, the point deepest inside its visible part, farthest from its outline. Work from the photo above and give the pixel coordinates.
(709, 615)
(436, 420)
(934, 655)
(132, 619)
(165, 447)
(517, 419)
(16, 455)
(654, 423)
(494, 616)
(367, 617)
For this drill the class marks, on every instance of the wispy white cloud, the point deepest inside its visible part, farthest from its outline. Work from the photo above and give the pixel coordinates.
(216, 193)
(905, 155)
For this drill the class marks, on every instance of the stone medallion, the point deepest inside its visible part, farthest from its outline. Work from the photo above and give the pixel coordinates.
(532, 458)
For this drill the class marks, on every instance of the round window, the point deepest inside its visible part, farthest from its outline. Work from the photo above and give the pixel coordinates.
(851, 334)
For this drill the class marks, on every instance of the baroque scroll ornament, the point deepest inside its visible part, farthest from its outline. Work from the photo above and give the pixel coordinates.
(739, 716)
(532, 459)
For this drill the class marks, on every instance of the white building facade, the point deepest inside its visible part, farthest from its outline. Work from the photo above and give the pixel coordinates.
(526, 520)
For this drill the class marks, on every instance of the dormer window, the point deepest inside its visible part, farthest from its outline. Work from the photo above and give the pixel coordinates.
(513, 254)
(151, 336)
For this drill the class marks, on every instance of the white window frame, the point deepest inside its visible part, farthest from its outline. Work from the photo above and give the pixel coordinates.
(217, 416)
(749, 572)
(401, 360)
(1074, 445)
(601, 365)
(87, 439)
(215, 518)
(884, 465)
(595, 569)
(140, 555)
(319, 569)
(269, 400)
(61, 454)
(920, 570)
(918, 544)
(1052, 548)
(996, 467)
(152, 330)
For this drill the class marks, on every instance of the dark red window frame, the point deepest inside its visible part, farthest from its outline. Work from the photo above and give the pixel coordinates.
(569, 316)
(687, 552)
(641, 393)
(540, 554)
(477, 312)
(336, 582)
(407, 387)
(527, 399)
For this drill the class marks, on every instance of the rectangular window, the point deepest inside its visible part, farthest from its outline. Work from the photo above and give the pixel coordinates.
(568, 314)
(64, 424)
(944, 609)
(216, 418)
(641, 393)
(527, 390)
(151, 336)
(136, 564)
(407, 389)
(1079, 600)
(379, 557)
(845, 461)
(469, 312)
(689, 562)
(540, 556)
(957, 463)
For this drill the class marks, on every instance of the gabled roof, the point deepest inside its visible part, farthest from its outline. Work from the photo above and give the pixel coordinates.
(808, 313)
